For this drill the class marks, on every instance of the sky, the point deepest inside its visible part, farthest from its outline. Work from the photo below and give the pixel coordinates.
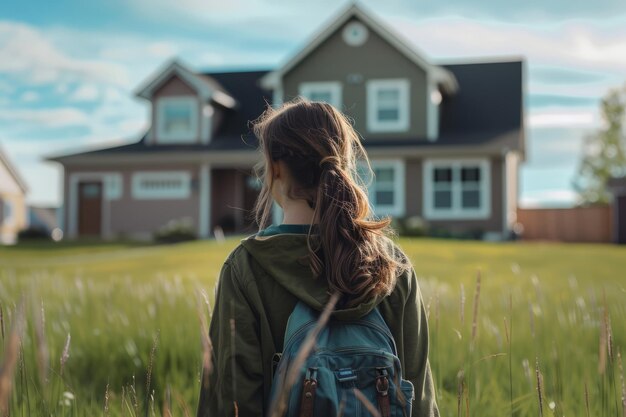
(69, 69)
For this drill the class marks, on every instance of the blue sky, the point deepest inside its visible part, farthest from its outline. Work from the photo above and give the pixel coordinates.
(69, 68)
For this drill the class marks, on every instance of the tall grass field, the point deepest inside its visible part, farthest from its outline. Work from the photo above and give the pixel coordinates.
(516, 329)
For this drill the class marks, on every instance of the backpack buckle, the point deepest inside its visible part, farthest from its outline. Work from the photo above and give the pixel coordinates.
(311, 374)
(309, 386)
(382, 382)
(382, 387)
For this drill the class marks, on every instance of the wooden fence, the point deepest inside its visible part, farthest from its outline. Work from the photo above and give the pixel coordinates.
(580, 224)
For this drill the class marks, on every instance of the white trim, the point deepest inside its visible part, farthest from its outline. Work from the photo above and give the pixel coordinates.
(505, 197)
(138, 192)
(440, 74)
(355, 28)
(206, 123)
(398, 208)
(112, 189)
(190, 136)
(277, 95)
(334, 88)
(404, 105)
(457, 212)
(511, 187)
(432, 110)
(4, 160)
(206, 90)
(223, 99)
(205, 201)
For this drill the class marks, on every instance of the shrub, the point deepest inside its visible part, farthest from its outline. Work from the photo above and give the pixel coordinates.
(444, 233)
(33, 233)
(413, 226)
(176, 230)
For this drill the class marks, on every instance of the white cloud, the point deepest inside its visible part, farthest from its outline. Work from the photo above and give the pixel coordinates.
(549, 198)
(54, 117)
(231, 10)
(30, 97)
(555, 117)
(85, 92)
(587, 90)
(113, 95)
(62, 88)
(162, 49)
(28, 55)
(5, 87)
(573, 44)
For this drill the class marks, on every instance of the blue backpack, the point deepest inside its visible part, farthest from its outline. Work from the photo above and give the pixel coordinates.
(351, 359)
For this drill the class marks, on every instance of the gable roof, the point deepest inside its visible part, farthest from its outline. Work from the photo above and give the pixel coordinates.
(232, 134)
(206, 87)
(4, 160)
(438, 74)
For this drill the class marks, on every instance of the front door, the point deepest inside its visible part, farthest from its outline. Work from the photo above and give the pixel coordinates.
(89, 208)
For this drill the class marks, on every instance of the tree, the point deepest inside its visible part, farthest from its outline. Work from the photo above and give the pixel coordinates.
(604, 151)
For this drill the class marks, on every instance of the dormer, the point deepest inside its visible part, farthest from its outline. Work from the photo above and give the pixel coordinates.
(186, 106)
(370, 72)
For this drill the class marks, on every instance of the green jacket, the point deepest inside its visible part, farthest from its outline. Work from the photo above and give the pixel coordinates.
(259, 286)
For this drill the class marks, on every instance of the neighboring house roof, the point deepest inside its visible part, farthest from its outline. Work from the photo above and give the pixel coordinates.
(438, 74)
(4, 160)
(207, 88)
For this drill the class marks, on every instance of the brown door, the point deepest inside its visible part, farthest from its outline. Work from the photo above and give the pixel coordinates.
(620, 206)
(89, 208)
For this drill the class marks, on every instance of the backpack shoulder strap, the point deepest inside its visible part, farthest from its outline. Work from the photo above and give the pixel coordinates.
(374, 318)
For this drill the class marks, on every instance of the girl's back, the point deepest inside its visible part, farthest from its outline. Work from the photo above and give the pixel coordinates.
(311, 155)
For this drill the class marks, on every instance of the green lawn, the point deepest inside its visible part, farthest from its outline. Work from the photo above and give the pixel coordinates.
(116, 299)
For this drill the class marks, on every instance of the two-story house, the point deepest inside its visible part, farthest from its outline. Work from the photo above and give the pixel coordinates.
(445, 140)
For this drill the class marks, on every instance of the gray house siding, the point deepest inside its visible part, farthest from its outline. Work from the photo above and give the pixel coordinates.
(334, 60)
(415, 200)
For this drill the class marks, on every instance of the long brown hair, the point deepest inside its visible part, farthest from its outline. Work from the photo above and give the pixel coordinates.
(350, 248)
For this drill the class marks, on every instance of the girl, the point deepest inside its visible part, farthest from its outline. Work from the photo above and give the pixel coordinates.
(328, 242)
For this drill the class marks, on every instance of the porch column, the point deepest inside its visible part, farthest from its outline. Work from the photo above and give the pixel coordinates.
(204, 227)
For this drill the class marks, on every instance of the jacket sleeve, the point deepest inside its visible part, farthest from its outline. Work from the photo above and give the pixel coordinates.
(235, 385)
(416, 352)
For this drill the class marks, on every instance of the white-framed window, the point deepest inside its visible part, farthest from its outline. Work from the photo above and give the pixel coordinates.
(326, 91)
(113, 186)
(388, 105)
(7, 212)
(177, 119)
(159, 185)
(386, 188)
(457, 189)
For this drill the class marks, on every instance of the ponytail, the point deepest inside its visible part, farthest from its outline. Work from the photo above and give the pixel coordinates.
(352, 249)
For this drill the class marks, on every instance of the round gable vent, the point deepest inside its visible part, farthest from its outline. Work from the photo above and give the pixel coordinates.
(355, 34)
